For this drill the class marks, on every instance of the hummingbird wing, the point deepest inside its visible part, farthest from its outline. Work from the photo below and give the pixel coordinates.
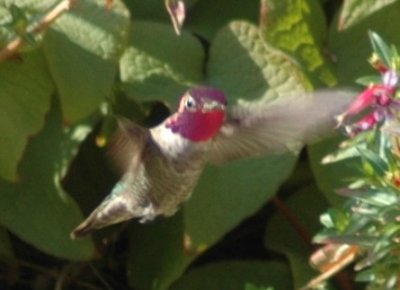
(256, 128)
(127, 148)
(127, 144)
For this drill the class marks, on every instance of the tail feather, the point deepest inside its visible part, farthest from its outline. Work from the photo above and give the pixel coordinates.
(85, 228)
(107, 213)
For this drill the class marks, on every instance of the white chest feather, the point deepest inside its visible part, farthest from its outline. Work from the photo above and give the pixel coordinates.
(174, 145)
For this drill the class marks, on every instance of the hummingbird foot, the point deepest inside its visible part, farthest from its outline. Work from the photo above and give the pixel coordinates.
(149, 214)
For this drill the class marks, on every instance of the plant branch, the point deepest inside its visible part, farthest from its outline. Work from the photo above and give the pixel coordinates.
(15, 45)
(293, 220)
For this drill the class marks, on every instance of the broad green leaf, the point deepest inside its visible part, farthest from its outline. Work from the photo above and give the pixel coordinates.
(156, 255)
(226, 195)
(24, 99)
(158, 64)
(355, 11)
(306, 204)
(237, 275)
(352, 46)
(331, 177)
(244, 66)
(82, 49)
(153, 10)
(298, 28)
(37, 209)
(207, 17)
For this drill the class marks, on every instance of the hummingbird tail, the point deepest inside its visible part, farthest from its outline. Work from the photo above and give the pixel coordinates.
(85, 228)
(110, 211)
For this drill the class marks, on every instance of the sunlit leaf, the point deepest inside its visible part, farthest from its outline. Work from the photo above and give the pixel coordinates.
(355, 11)
(83, 49)
(158, 64)
(264, 72)
(298, 28)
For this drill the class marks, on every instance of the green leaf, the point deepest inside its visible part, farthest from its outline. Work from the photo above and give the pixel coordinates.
(376, 162)
(381, 48)
(331, 177)
(352, 47)
(158, 64)
(355, 11)
(82, 49)
(280, 235)
(368, 80)
(335, 218)
(207, 17)
(153, 10)
(226, 195)
(24, 99)
(376, 197)
(156, 256)
(16, 18)
(264, 72)
(298, 28)
(236, 275)
(37, 209)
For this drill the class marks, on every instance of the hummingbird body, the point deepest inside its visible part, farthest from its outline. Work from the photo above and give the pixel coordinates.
(162, 165)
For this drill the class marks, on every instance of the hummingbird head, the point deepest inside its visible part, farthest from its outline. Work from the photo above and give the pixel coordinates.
(200, 115)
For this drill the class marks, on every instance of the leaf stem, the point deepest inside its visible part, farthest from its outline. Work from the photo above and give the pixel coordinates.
(15, 45)
(293, 220)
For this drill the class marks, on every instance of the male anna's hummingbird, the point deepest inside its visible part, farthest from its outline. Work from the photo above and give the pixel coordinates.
(161, 165)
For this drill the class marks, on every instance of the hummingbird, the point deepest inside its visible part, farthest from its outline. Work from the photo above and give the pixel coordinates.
(162, 165)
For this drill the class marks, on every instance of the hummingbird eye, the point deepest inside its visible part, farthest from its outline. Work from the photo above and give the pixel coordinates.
(190, 102)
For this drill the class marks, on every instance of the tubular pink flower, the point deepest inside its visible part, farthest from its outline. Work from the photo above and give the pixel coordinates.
(365, 124)
(379, 98)
(366, 99)
(363, 101)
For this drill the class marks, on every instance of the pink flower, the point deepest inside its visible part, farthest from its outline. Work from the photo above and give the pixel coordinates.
(366, 123)
(377, 97)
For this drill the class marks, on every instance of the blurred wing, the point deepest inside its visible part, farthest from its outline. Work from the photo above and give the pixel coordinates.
(256, 129)
(127, 144)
